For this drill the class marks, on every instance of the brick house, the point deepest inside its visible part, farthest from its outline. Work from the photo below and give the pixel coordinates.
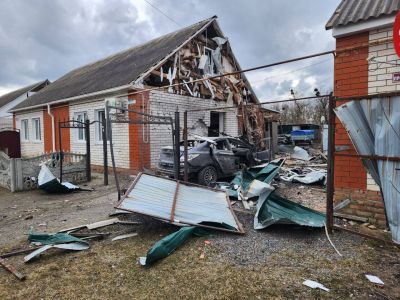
(179, 57)
(364, 65)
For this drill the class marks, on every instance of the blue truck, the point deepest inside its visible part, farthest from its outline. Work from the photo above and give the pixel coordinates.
(305, 136)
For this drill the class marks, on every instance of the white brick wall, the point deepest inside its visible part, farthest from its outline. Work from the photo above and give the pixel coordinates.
(380, 73)
(162, 103)
(381, 70)
(371, 184)
(31, 147)
(120, 137)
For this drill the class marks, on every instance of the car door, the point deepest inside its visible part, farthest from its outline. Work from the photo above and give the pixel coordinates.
(240, 150)
(224, 156)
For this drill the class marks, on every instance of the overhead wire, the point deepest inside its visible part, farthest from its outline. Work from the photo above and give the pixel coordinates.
(163, 13)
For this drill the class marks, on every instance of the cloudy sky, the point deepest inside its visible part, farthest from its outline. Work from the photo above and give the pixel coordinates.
(47, 38)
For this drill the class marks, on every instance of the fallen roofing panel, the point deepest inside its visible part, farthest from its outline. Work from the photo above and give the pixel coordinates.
(373, 126)
(49, 183)
(273, 208)
(180, 203)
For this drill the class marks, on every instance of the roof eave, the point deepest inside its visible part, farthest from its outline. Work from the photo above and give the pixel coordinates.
(75, 98)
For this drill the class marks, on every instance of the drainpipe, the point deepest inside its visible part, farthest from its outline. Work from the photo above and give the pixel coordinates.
(52, 127)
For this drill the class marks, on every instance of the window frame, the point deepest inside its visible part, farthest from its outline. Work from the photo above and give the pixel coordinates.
(81, 129)
(34, 130)
(24, 131)
(98, 126)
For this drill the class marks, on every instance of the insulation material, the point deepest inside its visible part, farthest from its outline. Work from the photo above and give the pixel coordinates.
(374, 129)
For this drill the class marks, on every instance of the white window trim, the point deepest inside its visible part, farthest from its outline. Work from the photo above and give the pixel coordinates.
(76, 131)
(34, 139)
(24, 131)
(97, 126)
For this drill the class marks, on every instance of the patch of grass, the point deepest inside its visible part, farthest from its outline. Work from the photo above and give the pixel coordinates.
(109, 271)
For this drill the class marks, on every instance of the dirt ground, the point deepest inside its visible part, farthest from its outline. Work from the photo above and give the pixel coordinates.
(267, 264)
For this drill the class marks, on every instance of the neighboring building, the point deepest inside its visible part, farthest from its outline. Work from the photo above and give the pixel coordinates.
(179, 57)
(365, 63)
(14, 98)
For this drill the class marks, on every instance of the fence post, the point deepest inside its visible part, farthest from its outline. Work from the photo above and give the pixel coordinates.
(185, 139)
(13, 175)
(88, 157)
(105, 156)
(331, 162)
(60, 147)
(177, 146)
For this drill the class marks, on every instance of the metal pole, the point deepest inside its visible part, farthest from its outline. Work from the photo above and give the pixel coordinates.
(109, 139)
(88, 156)
(59, 148)
(185, 138)
(177, 147)
(105, 157)
(331, 162)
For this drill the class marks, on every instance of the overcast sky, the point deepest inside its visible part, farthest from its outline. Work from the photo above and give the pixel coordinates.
(47, 38)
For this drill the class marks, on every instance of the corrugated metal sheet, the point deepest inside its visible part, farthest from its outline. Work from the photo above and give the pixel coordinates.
(374, 128)
(353, 11)
(154, 196)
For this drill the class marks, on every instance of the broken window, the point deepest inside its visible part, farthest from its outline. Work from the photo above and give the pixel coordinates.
(209, 67)
(222, 145)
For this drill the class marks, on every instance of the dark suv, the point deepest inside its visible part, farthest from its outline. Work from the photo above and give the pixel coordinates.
(211, 158)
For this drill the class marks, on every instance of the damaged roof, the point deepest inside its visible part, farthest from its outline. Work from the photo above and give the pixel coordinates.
(113, 71)
(11, 96)
(353, 11)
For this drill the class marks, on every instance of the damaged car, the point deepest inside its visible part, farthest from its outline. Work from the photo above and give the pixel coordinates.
(212, 158)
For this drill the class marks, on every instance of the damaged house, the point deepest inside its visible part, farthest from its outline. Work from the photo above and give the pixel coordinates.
(191, 53)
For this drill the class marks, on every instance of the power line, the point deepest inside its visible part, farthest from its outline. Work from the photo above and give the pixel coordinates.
(163, 13)
(290, 72)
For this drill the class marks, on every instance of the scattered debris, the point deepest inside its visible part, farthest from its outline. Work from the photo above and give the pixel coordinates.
(11, 269)
(314, 285)
(374, 279)
(99, 224)
(273, 208)
(180, 203)
(69, 246)
(300, 153)
(305, 176)
(250, 182)
(57, 240)
(203, 250)
(124, 236)
(49, 183)
(351, 217)
(342, 205)
(169, 244)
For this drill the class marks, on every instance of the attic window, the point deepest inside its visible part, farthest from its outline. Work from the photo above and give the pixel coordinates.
(209, 68)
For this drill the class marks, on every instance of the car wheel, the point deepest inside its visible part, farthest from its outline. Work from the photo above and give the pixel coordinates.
(208, 175)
